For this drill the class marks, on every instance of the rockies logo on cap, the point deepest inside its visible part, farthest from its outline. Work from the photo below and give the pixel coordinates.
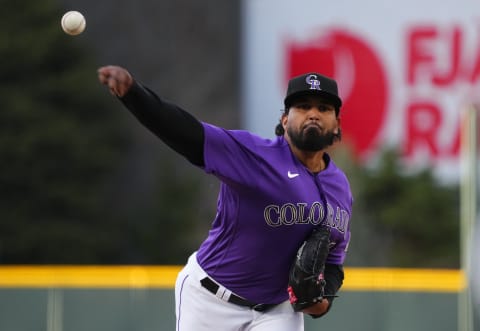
(312, 83)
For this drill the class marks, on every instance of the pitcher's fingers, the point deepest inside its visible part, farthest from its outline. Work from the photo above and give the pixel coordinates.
(112, 84)
(105, 73)
(103, 76)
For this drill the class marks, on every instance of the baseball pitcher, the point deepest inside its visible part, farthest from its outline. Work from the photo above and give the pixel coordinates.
(275, 251)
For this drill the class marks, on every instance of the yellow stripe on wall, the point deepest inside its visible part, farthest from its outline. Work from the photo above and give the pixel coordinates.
(408, 280)
(356, 279)
(89, 276)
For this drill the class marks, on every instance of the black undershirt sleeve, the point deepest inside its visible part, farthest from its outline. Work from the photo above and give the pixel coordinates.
(334, 275)
(174, 126)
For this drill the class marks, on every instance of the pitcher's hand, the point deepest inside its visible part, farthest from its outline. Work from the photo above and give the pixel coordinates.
(116, 78)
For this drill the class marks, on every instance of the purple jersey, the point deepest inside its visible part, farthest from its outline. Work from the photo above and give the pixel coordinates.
(267, 205)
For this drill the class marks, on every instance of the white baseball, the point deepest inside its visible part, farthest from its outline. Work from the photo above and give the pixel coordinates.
(73, 22)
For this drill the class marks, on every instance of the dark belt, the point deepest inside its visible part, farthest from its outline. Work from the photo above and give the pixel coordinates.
(213, 287)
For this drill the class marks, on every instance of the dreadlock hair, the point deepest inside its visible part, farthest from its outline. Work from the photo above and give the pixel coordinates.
(279, 130)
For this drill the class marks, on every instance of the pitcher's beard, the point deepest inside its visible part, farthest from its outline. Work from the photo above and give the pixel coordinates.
(311, 139)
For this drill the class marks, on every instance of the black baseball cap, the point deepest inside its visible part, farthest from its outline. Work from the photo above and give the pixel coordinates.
(313, 83)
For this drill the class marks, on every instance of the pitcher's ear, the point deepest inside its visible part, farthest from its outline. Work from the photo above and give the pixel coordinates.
(284, 119)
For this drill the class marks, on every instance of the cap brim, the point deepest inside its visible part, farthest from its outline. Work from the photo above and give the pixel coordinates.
(336, 101)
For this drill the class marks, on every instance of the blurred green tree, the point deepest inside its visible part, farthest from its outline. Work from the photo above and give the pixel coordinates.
(59, 142)
(403, 220)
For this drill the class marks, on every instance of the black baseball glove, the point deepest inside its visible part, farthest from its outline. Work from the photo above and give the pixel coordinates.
(306, 281)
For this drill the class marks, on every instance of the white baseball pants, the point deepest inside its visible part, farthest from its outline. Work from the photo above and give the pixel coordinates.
(197, 309)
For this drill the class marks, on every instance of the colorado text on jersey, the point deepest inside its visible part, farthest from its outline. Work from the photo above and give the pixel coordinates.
(290, 214)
